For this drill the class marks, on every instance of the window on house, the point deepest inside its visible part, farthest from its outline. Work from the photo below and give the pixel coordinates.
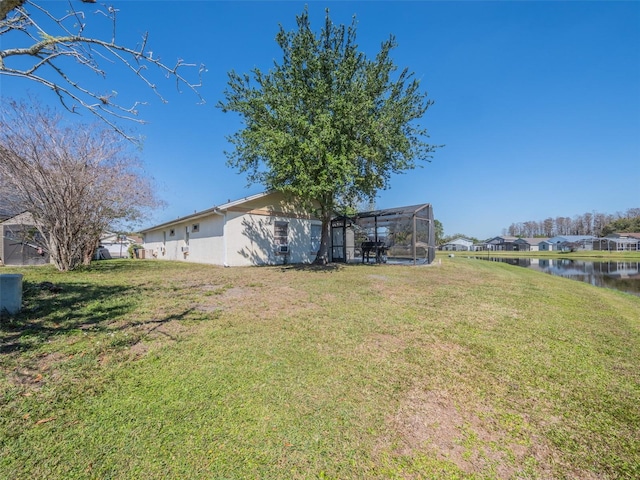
(316, 234)
(172, 232)
(281, 233)
(196, 227)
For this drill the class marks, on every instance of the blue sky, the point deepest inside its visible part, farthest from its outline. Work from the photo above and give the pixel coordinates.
(537, 103)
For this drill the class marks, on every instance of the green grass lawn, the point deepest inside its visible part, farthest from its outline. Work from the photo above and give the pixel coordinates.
(464, 369)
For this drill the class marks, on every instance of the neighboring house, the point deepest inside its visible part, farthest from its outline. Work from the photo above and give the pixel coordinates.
(21, 242)
(545, 246)
(262, 229)
(567, 243)
(500, 243)
(458, 245)
(618, 242)
(528, 244)
(117, 244)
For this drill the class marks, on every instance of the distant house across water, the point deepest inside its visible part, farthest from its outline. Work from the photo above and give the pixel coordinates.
(567, 243)
(618, 242)
(504, 243)
(528, 244)
(458, 245)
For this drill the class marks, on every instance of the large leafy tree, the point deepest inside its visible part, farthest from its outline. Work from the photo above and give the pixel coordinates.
(439, 231)
(327, 125)
(629, 223)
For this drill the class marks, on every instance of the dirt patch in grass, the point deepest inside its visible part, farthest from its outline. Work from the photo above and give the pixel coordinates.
(50, 360)
(207, 308)
(35, 373)
(445, 350)
(434, 422)
(378, 277)
(265, 302)
(139, 349)
(25, 377)
(382, 345)
(237, 292)
(154, 334)
(430, 422)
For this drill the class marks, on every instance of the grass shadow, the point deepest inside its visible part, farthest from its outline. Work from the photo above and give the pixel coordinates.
(56, 309)
(155, 324)
(314, 268)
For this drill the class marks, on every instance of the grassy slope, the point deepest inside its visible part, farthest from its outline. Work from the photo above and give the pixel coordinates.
(466, 369)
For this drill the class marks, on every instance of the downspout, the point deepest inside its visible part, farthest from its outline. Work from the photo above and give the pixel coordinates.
(224, 236)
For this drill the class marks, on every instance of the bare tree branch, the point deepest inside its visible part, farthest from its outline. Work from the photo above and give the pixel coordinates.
(63, 39)
(75, 180)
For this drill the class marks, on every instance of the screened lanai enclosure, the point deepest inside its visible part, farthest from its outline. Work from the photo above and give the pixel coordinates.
(403, 235)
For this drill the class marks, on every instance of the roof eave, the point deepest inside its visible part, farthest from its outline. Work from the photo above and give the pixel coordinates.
(218, 210)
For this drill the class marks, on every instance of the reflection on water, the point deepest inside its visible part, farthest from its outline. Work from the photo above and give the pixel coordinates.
(623, 276)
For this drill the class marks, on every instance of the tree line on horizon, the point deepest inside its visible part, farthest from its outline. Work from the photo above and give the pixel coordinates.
(589, 223)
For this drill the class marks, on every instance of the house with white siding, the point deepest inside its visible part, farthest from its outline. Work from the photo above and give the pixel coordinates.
(458, 245)
(118, 244)
(262, 229)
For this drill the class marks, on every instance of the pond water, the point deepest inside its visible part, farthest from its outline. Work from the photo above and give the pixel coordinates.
(623, 276)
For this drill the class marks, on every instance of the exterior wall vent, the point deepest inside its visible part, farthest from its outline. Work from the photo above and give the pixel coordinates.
(283, 249)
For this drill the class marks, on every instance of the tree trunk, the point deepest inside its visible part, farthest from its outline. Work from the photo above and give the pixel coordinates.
(87, 256)
(327, 210)
(65, 254)
(322, 258)
(89, 249)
